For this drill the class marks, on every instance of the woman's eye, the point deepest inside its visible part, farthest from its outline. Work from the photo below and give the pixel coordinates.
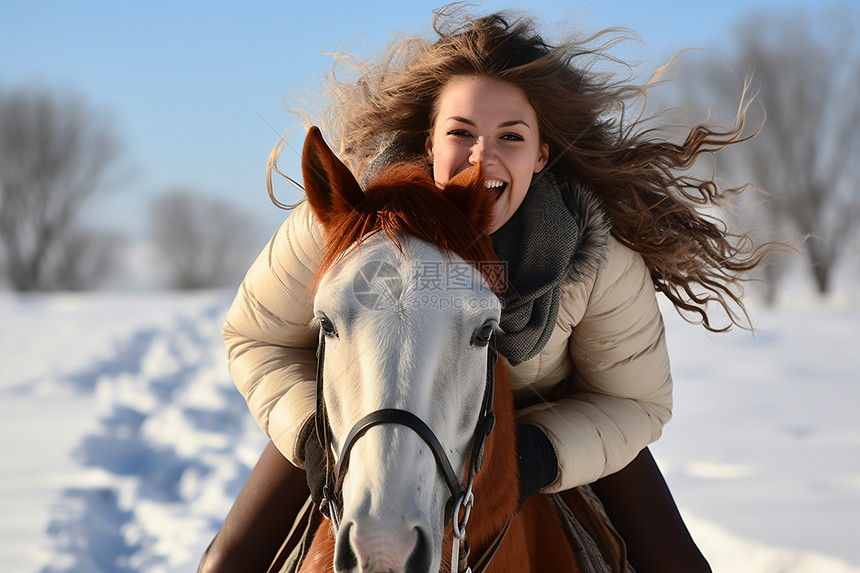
(327, 326)
(459, 133)
(512, 137)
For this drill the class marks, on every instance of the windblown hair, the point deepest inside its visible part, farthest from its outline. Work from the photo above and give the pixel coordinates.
(643, 179)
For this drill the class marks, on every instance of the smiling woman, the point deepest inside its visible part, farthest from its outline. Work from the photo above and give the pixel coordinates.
(590, 212)
(480, 119)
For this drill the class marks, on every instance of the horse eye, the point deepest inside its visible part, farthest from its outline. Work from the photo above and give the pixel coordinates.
(327, 326)
(482, 336)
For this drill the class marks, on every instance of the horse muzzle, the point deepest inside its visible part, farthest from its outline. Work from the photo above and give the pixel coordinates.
(371, 546)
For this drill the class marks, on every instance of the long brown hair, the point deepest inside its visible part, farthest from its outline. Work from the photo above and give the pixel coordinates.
(643, 180)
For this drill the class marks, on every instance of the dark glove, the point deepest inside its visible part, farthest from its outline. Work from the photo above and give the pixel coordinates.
(315, 466)
(536, 459)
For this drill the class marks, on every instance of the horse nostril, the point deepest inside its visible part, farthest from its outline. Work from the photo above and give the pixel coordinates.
(419, 559)
(344, 556)
(352, 555)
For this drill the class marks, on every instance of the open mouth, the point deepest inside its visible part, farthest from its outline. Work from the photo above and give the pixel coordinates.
(497, 187)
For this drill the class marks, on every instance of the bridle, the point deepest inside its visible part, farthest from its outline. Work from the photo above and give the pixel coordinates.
(461, 500)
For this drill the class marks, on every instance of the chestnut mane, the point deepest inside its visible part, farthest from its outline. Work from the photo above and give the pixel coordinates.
(403, 200)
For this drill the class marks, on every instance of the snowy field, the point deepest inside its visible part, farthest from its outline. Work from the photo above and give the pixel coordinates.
(124, 440)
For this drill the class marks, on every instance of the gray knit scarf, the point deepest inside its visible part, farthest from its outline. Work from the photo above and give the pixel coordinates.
(538, 244)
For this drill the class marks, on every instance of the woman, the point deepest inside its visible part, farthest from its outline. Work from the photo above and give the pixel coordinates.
(592, 216)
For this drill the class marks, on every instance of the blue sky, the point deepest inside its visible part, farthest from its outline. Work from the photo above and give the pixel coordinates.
(196, 90)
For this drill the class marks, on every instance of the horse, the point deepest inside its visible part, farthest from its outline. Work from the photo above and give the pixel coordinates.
(414, 413)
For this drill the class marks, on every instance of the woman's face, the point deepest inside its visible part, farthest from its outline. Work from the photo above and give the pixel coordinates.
(491, 121)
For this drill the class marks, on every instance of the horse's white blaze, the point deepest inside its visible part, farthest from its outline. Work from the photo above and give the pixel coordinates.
(410, 348)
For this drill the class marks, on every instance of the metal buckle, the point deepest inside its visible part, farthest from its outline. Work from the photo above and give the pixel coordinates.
(465, 501)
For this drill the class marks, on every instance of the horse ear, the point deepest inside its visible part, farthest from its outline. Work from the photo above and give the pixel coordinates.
(331, 189)
(467, 190)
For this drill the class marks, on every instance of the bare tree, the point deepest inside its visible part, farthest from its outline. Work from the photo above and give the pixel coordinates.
(85, 259)
(201, 242)
(806, 71)
(54, 155)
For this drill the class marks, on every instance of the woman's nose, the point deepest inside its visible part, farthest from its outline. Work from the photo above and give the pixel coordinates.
(481, 152)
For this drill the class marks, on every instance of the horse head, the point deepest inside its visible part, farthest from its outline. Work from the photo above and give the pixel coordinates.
(407, 305)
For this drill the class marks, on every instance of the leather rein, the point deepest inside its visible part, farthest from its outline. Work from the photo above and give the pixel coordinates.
(461, 499)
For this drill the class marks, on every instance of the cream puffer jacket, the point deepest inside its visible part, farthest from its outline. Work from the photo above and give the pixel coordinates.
(600, 389)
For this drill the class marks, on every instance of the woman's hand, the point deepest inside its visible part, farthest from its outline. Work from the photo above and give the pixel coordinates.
(536, 459)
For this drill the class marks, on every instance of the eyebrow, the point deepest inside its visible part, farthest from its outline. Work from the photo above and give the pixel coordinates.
(508, 123)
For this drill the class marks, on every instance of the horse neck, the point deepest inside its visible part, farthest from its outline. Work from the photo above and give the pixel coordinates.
(496, 486)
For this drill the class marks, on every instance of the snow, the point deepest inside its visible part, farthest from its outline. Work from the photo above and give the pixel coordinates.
(124, 441)
(764, 443)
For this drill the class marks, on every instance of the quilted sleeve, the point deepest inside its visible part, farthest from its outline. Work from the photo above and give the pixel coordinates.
(620, 395)
(270, 343)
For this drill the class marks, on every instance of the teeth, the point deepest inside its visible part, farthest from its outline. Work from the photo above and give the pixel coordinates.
(494, 184)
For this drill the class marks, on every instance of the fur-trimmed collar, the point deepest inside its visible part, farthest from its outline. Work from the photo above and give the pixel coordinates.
(593, 250)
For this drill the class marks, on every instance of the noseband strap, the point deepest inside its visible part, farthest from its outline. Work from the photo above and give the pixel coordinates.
(402, 418)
